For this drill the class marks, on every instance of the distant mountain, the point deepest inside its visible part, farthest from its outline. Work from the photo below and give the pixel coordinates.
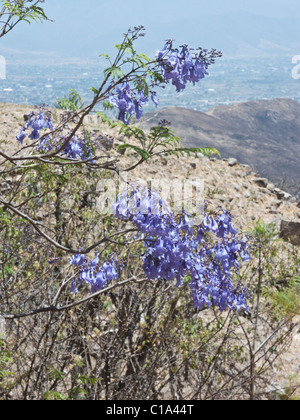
(239, 34)
(264, 134)
(236, 33)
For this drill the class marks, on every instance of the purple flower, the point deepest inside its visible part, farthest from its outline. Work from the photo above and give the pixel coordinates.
(36, 123)
(21, 137)
(53, 261)
(183, 67)
(154, 100)
(160, 54)
(74, 287)
(77, 260)
(35, 134)
(92, 274)
(177, 249)
(178, 67)
(198, 72)
(127, 102)
(73, 150)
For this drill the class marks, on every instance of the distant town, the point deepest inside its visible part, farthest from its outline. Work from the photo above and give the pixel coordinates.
(230, 81)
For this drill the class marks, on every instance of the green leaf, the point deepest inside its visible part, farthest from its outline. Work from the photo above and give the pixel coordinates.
(106, 56)
(54, 396)
(118, 46)
(143, 153)
(116, 72)
(94, 90)
(206, 151)
(136, 132)
(143, 57)
(107, 105)
(73, 103)
(106, 120)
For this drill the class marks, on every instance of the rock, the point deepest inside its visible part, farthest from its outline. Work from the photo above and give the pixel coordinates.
(153, 171)
(263, 190)
(106, 141)
(279, 193)
(262, 182)
(220, 198)
(287, 196)
(282, 195)
(199, 155)
(248, 167)
(236, 186)
(232, 162)
(246, 170)
(290, 232)
(247, 194)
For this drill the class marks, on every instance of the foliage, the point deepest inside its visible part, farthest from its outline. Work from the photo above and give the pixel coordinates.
(73, 102)
(160, 137)
(287, 300)
(5, 360)
(15, 11)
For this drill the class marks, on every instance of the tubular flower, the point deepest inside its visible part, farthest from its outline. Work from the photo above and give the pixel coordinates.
(127, 102)
(181, 67)
(177, 250)
(92, 274)
(78, 147)
(35, 123)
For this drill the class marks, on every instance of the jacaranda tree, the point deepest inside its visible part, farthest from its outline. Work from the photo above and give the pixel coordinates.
(186, 252)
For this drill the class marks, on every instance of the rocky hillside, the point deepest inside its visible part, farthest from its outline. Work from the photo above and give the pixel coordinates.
(262, 134)
(227, 182)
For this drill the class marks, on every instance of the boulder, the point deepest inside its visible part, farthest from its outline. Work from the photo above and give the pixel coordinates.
(232, 162)
(290, 232)
(262, 182)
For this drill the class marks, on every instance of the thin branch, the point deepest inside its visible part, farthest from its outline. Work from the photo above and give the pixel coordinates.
(55, 309)
(36, 225)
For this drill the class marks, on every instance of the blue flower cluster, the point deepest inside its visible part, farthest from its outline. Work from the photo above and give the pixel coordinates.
(77, 148)
(36, 123)
(181, 67)
(93, 275)
(178, 250)
(128, 102)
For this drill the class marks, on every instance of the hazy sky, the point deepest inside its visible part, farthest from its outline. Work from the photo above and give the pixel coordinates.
(87, 27)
